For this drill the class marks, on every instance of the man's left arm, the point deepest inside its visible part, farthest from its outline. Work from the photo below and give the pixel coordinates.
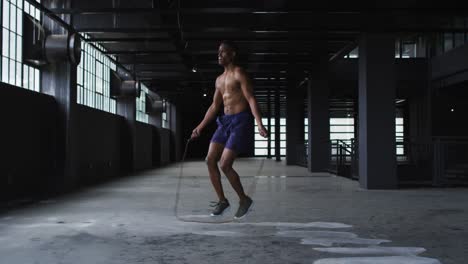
(247, 90)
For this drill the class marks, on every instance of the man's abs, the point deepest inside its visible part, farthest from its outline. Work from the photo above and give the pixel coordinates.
(233, 106)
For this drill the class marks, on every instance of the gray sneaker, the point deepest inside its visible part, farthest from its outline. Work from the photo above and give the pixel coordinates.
(220, 207)
(244, 208)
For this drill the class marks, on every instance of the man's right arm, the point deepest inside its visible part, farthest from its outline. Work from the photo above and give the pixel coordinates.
(210, 113)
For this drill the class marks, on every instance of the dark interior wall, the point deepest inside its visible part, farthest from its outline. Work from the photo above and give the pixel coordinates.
(446, 122)
(411, 69)
(31, 141)
(164, 136)
(100, 144)
(451, 63)
(419, 116)
(177, 131)
(144, 146)
(175, 140)
(105, 146)
(27, 140)
(411, 75)
(156, 145)
(449, 72)
(192, 114)
(346, 70)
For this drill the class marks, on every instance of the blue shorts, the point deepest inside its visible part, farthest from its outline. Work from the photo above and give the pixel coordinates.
(235, 131)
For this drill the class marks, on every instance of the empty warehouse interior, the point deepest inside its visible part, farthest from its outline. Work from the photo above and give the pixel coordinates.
(365, 162)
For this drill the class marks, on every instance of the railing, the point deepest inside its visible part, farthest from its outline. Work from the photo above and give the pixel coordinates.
(343, 158)
(355, 159)
(302, 154)
(450, 161)
(436, 161)
(415, 164)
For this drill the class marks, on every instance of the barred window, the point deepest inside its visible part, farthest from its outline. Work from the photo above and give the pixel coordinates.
(13, 70)
(140, 105)
(261, 143)
(93, 79)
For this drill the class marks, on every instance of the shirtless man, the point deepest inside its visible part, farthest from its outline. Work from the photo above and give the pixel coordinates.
(234, 91)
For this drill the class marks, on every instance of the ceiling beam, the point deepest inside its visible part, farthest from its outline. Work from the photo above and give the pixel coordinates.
(127, 39)
(441, 11)
(240, 28)
(199, 52)
(251, 40)
(201, 11)
(140, 52)
(305, 29)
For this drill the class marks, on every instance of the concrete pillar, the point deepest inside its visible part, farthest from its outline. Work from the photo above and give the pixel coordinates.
(318, 114)
(269, 123)
(126, 107)
(59, 81)
(176, 127)
(294, 125)
(295, 114)
(377, 161)
(155, 119)
(277, 124)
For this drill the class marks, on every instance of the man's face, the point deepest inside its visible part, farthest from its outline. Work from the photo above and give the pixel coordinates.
(225, 55)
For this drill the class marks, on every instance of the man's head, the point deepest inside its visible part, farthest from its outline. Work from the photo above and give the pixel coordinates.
(227, 53)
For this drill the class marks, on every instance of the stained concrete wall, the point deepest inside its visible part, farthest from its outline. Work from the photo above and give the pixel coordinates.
(164, 137)
(100, 147)
(28, 141)
(144, 146)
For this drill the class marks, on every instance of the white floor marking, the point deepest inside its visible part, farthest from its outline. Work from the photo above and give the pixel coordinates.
(379, 260)
(302, 225)
(328, 238)
(61, 223)
(218, 233)
(401, 251)
(207, 216)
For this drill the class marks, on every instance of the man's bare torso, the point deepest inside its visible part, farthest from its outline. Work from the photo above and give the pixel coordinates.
(233, 98)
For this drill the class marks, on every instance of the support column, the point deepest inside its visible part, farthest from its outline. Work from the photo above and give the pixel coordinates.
(377, 161)
(269, 123)
(176, 128)
(126, 107)
(59, 81)
(155, 119)
(295, 112)
(277, 124)
(318, 113)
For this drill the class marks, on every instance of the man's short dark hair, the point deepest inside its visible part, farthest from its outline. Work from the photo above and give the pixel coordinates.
(231, 45)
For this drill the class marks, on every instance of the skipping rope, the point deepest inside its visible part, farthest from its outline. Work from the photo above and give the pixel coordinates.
(250, 192)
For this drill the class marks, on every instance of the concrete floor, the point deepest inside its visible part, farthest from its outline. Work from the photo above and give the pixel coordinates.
(298, 217)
